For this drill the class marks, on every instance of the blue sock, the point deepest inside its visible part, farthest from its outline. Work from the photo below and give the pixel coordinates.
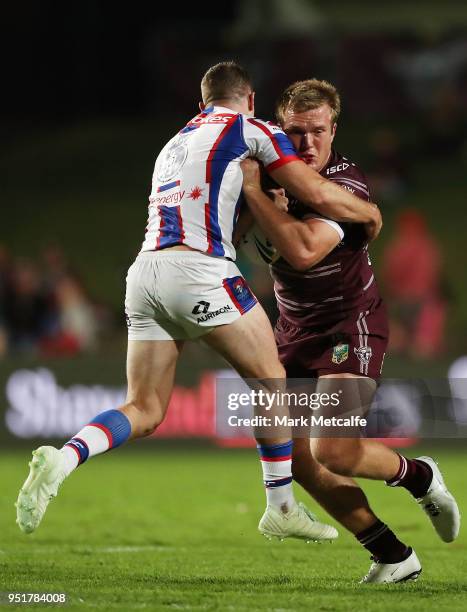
(107, 430)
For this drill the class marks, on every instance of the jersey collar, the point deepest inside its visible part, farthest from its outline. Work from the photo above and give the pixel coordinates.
(219, 109)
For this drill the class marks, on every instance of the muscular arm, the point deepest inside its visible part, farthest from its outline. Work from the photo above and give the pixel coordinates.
(327, 198)
(301, 243)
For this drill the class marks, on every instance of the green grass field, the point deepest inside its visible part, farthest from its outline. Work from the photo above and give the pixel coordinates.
(175, 529)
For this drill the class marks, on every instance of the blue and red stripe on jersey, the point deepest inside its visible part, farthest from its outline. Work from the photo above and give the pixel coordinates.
(229, 145)
(240, 293)
(168, 186)
(282, 146)
(171, 230)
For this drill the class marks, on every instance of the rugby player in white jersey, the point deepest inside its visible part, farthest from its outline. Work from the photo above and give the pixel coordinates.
(184, 285)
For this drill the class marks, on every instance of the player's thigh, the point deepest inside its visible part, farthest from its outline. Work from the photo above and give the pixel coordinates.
(248, 345)
(151, 368)
(355, 394)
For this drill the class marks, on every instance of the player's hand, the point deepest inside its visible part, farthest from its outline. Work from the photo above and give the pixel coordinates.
(251, 174)
(373, 228)
(281, 201)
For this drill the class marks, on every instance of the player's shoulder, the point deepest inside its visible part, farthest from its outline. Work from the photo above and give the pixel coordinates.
(347, 172)
(267, 127)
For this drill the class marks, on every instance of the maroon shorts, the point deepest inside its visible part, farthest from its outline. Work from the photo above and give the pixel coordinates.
(354, 345)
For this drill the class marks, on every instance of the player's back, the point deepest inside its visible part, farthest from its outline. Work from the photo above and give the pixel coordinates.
(197, 179)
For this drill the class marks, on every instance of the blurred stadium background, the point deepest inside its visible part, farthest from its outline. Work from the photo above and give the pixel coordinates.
(92, 90)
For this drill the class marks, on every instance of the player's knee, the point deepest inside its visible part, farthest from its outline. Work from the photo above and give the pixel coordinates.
(266, 369)
(150, 412)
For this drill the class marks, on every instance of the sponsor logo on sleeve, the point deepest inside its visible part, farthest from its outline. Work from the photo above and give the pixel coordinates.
(338, 168)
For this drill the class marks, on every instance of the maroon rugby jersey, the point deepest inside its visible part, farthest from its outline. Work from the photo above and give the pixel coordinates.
(340, 283)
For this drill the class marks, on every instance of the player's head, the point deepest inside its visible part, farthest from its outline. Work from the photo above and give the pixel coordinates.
(228, 84)
(308, 111)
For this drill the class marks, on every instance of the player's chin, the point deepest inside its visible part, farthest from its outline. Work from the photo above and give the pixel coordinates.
(310, 161)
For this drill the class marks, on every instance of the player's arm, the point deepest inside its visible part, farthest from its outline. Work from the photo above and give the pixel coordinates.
(245, 222)
(301, 243)
(269, 144)
(326, 197)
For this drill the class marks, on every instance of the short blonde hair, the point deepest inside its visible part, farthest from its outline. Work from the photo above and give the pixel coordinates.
(308, 95)
(225, 81)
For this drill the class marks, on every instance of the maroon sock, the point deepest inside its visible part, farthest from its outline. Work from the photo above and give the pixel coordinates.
(414, 475)
(383, 544)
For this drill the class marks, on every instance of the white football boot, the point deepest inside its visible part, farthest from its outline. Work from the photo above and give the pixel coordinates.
(299, 523)
(46, 474)
(440, 505)
(384, 573)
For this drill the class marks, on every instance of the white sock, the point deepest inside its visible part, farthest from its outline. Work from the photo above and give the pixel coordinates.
(276, 462)
(107, 430)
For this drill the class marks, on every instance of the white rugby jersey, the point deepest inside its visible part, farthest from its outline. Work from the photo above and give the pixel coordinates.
(197, 181)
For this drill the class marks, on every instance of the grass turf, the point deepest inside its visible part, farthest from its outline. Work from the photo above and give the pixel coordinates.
(175, 529)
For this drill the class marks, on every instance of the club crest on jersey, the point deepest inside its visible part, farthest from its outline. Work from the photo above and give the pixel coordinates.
(340, 353)
(364, 354)
(171, 160)
(239, 287)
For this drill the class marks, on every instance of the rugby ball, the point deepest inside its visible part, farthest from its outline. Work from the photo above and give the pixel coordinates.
(262, 247)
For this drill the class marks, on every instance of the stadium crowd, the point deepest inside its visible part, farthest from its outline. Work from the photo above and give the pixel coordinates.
(45, 308)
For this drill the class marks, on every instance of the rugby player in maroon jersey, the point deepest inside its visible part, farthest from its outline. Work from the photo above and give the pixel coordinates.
(333, 326)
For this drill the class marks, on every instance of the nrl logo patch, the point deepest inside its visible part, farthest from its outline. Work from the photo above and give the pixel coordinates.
(364, 354)
(340, 353)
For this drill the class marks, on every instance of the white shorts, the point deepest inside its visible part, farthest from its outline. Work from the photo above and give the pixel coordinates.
(178, 295)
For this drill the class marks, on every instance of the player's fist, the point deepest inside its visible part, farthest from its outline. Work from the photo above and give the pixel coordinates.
(251, 174)
(281, 201)
(374, 226)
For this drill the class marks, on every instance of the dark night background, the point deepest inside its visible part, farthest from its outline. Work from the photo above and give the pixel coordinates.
(92, 90)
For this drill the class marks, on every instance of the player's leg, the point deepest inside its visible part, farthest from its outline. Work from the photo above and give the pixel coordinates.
(365, 458)
(248, 345)
(150, 373)
(353, 456)
(340, 496)
(151, 368)
(153, 348)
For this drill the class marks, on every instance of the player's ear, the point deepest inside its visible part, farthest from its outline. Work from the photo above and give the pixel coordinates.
(333, 130)
(251, 102)
(202, 106)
